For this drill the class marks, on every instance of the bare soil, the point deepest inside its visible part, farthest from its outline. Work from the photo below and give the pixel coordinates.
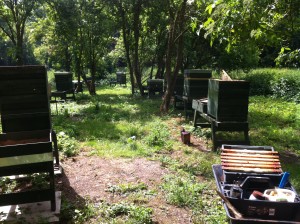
(88, 177)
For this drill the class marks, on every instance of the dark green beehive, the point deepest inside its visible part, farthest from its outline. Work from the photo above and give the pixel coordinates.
(228, 100)
(24, 98)
(155, 85)
(64, 81)
(121, 78)
(178, 89)
(196, 83)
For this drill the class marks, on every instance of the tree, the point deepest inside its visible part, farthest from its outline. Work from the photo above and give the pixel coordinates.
(13, 17)
(81, 36)
(128, 15)
(174, 53)
(140, 25)
(263, 24)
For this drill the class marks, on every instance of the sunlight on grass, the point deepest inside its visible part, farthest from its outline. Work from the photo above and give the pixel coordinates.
(275, 123)
(110, 149)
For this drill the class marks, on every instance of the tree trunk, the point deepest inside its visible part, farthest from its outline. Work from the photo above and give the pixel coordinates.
(19, 44)
(136, 32)
(175, 42)
(19, 51)
(126, 46)
(67, 58)
(92, 87)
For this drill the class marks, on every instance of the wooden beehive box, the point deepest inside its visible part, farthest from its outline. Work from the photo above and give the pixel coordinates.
(228, 100)
(24, 99)
(155, 85)
(196, 83)
(26, 141)
(121, 78)
(24, 153)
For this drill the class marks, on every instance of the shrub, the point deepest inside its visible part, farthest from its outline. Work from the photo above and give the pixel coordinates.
(287, 89)
(260, 81)
(280, 83)
(66, 144)
(158, 136)
(182, 191)
(136, 214)
(288, 59)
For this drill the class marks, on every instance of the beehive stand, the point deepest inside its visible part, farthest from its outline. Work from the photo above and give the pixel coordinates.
(217, 126)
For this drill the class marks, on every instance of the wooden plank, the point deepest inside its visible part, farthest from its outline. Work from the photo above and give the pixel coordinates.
(250, 156)
(250, 151)
(243, 165)
(188, 78)
(251, 161)
(257, 170)
(247, 159)
(25, 149)
(26, 197)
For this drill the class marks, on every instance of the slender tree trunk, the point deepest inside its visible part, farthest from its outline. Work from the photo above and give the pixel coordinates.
(19, 51)
(19, 42)
(175, 41)
(136, 61)
(92, 66)
(126, 46)
(92, 88)
(67, 58)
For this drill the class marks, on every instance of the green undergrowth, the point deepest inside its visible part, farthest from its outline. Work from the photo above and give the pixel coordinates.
(278, 83)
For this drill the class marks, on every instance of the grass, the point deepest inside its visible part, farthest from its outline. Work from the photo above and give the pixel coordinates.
(274, 122)
(114, 124)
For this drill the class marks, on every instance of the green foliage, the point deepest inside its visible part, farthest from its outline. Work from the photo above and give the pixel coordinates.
(290, 59)
(126, 188)
(182, 190)
(13, 20)
(77, 215)
(67, 145)
(237, 23)
(7, 185)
(287, 88)
(279, 83)
(134, 214)
(212, 210)
(193, 163)
(158, 135)
(39, 181)
(260, 81)
(239, 56)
